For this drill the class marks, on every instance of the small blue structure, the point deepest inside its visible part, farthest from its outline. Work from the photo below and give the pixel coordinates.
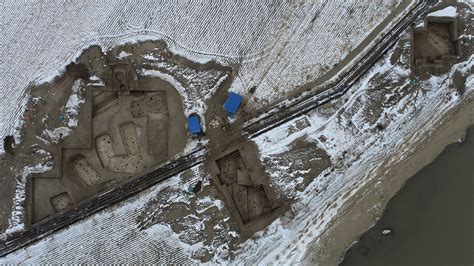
(194, 125)
(232, 104)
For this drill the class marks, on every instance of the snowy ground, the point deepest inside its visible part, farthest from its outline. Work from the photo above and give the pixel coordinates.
(129, 232)
(308, 38)
(360, 153)
(71, 110)
(114, 235)
(98, 238)
(383, 97)
(350, 142)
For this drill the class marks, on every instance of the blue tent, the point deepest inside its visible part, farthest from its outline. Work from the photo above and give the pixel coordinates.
(194, 125)
(232, 103)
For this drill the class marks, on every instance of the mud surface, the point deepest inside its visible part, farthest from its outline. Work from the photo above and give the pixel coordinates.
(241, 180)
(100, 123)
(435, 42)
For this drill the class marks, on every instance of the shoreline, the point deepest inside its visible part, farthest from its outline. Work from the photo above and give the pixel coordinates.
(362, 211)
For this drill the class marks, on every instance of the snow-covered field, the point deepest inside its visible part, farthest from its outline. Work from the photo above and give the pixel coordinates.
(285, 30)
(112, 235)
(317, 206)
(352, 144)
(280, 44)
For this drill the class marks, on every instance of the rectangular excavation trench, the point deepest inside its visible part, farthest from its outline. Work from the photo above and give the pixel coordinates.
(244, 185)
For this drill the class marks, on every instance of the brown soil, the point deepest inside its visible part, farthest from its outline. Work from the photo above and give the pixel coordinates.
(306, 159)
(434, 43)
(243, 185)
(215, 228)
(140, 118)
(132, 123)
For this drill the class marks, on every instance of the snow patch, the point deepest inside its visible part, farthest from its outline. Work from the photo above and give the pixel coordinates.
(449, 11)
(71, 113)
(96, 81)
(57, 134)
(123, 55)
(73, 104)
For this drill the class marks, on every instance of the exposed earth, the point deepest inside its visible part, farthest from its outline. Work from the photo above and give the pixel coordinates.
(118, 114)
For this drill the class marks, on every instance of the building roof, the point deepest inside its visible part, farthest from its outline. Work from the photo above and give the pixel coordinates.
(233, 102)
(194, 125)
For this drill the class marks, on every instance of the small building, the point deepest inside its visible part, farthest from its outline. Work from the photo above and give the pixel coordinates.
(232, 104)
(194, 125)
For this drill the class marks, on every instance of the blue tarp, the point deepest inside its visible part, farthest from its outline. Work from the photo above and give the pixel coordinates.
(194, 126)
(233, 102)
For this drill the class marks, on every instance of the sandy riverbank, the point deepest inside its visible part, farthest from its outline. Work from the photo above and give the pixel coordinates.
(365, 207)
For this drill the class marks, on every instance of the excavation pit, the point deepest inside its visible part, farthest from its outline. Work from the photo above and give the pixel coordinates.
(128, 121)
(436, 43)
(244, 185)
(85, 171)
(248, 196)
(61, 202)
(123, 77)
(8, 143)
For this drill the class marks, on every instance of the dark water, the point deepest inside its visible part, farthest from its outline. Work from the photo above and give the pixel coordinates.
(432, 217)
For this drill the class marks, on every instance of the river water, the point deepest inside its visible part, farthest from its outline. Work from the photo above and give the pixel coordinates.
(431, 219)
